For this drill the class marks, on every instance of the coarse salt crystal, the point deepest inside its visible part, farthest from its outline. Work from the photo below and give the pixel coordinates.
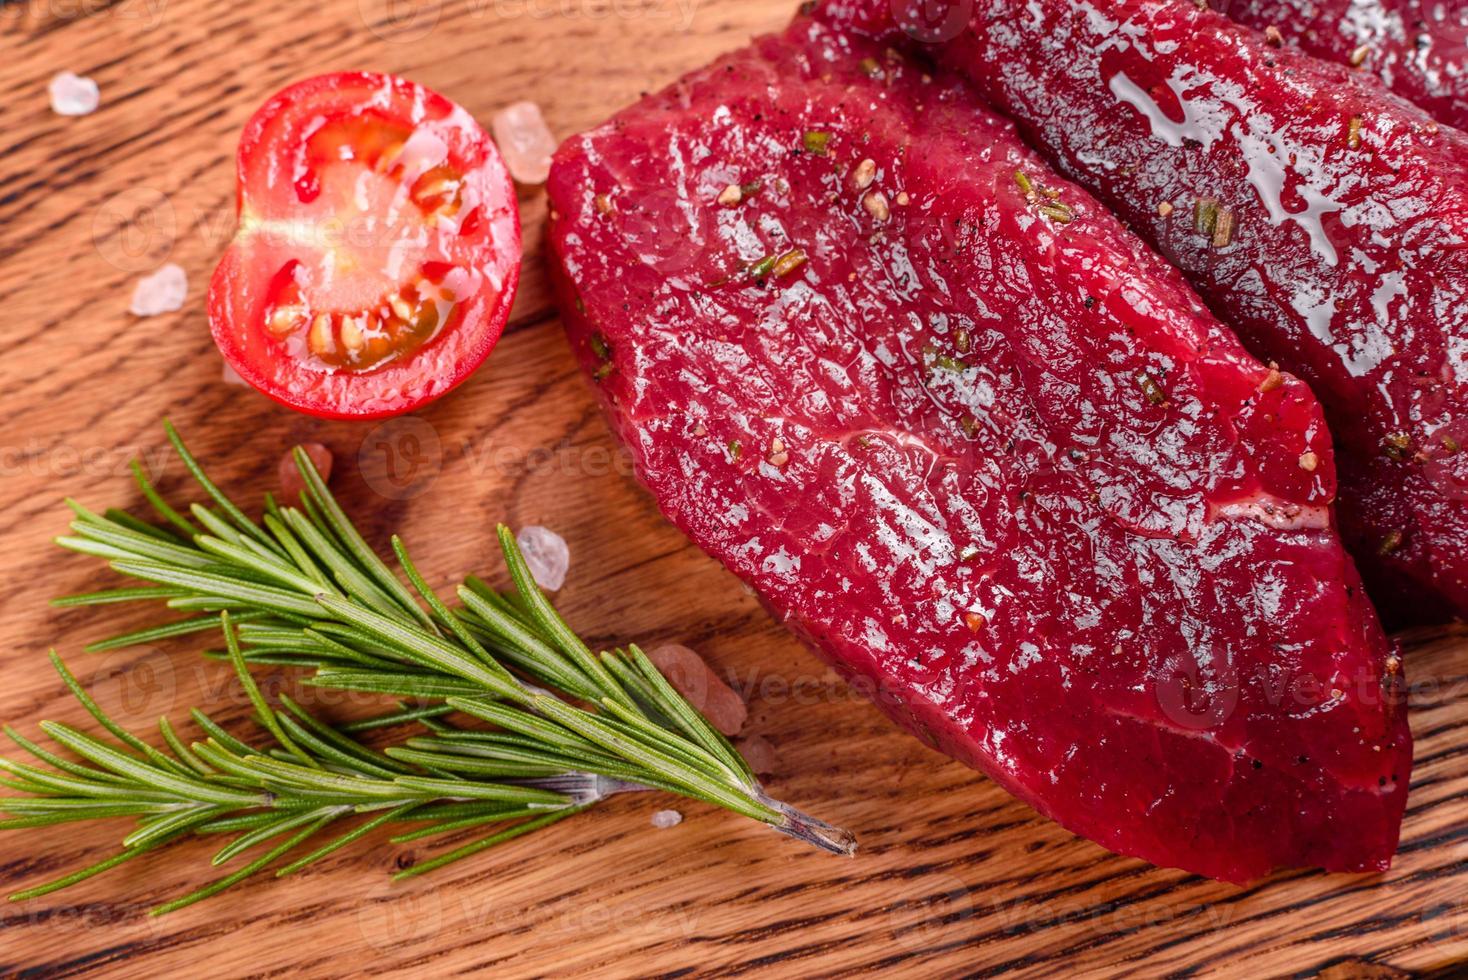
(73, 95)
(525, 141)
(161, 292)
(690, 676)
(546, 554)
(664, 819)
(759, 753)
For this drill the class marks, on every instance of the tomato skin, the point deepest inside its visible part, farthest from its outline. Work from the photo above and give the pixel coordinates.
(483, 248)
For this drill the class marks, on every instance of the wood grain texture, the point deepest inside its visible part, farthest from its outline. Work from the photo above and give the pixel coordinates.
(953, 876)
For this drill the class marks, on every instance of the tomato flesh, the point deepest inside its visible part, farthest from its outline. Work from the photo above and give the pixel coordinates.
(377, 252)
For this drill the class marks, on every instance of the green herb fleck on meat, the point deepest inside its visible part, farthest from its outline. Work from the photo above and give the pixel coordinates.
(1152, 388)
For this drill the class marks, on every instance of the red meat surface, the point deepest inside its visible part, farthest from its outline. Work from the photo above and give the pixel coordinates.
(1323, 218)
(1418, 48)
(986, 453)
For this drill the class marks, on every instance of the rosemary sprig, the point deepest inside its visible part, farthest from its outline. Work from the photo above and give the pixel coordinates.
(302, 588)
(313, 778)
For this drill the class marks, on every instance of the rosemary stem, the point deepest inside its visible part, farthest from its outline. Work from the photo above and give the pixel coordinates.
(804, 827)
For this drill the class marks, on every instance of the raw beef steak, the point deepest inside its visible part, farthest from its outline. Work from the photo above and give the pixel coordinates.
(1323, 218)
(986, 453)
(1418, 48)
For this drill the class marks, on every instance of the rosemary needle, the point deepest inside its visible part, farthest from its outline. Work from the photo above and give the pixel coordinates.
(301, 588)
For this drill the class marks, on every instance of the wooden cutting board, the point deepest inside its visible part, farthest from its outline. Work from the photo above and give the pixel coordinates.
(953, 876)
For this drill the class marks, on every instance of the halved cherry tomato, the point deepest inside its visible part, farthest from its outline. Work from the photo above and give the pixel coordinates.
(378, 248)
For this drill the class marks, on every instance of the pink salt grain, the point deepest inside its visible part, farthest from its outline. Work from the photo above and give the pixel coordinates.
(525, 141)
(664, 819)
(759, 753)
(546, 554)
(73, 95)
(692, 678)
(163, 291)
